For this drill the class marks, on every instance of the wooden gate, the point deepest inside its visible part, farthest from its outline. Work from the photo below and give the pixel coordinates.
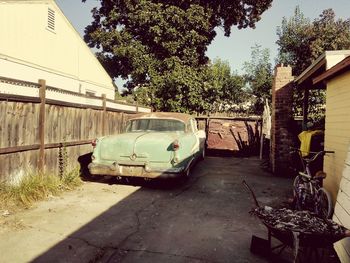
(234, 134)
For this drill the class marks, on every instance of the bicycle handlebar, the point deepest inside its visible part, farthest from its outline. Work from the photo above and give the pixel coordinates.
(313, 158)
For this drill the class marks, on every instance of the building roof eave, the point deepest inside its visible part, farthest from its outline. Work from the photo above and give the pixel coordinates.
(337, 69)
(317, 64)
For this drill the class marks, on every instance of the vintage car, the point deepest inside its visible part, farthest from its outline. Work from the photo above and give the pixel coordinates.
(158, 144)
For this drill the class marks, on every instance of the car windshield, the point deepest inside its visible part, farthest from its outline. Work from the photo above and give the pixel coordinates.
(158, 125)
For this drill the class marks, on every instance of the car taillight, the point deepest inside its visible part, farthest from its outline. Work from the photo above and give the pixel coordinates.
(176, 145)
(94, 143)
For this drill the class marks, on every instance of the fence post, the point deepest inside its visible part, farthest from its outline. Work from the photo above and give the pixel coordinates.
(104, 114)
(42, 95)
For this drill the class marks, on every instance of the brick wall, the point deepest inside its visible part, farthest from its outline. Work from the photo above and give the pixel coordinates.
(281, 138)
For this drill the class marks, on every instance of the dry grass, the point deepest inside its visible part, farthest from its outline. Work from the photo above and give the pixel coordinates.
(35, 187)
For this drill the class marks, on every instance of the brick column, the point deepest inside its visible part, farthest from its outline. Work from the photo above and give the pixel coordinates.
(281, 139)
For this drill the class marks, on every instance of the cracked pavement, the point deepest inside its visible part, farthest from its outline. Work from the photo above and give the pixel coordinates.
(204, 219)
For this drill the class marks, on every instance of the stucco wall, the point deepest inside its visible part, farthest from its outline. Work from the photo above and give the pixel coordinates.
(28, 48)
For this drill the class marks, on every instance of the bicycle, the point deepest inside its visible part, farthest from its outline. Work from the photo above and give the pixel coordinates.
(308, 191)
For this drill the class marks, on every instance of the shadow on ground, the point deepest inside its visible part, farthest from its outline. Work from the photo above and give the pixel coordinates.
(204, 219)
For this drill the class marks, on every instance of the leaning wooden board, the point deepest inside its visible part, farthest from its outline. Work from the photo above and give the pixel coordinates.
(342, 211)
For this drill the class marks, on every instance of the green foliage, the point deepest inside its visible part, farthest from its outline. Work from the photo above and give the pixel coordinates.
(70, 180)
(159, 46)
(301, 41)
(258, 77)
(224, 90)
(35, 187)
(210, 88)
(180, 89)
(294, 38)
(329, 33)
(117, 95)
(142, 96)
(316, 102)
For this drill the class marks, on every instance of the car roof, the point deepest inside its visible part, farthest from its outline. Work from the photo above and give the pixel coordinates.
(163, 115)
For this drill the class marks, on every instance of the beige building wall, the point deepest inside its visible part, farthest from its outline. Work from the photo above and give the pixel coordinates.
(29, 41)
(337, 165)
(337, 130)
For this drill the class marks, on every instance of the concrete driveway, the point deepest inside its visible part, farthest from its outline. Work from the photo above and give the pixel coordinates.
(202, 220)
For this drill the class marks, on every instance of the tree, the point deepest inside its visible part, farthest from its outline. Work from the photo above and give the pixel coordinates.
(210, 89)
(294, 37)
(145, 40)
(329, 33)
(258, 77)
(225, 91)
(180, 89)
(301, 41)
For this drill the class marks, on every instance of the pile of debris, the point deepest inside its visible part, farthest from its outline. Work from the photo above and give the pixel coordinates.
(299, 221)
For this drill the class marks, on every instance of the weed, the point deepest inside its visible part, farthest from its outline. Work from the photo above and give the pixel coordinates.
(35, 186)
(71, 179)
(62, 158)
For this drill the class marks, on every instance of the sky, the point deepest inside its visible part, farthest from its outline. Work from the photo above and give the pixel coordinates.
(235, 49)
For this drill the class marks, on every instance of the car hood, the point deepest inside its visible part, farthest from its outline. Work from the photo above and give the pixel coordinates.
(138, 147)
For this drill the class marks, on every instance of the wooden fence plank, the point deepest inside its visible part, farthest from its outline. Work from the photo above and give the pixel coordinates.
(68, 126)
(41, 163)
(32, 129)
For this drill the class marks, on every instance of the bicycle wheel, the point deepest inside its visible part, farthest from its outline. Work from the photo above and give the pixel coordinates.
(296, 183)
(297, 194)
(323, 204)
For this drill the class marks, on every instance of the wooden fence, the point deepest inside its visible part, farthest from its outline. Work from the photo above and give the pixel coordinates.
(37, 133)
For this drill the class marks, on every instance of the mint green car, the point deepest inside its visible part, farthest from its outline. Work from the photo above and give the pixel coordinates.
(159, 144)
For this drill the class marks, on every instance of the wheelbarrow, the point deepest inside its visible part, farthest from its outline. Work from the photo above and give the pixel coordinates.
(306, 243)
